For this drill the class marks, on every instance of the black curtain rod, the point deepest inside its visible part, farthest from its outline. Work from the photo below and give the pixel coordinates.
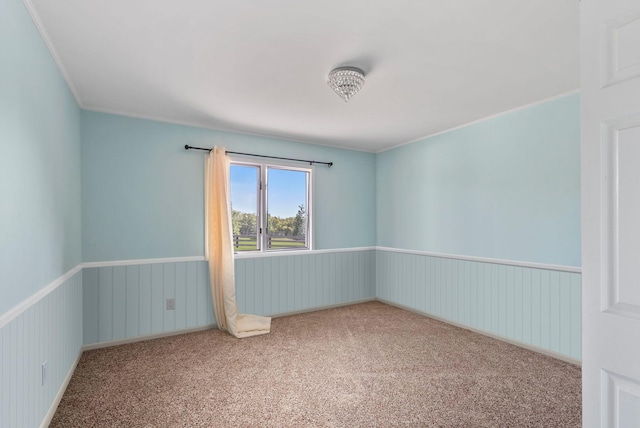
(310, 162)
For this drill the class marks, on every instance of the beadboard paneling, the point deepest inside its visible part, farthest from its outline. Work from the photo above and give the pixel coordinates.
(123, 302)
(277, 285)
(49, 330)
(534, 306)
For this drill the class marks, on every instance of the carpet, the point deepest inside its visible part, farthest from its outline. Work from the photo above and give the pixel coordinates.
(365, 365)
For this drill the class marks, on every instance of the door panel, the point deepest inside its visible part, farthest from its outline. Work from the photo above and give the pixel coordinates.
(610, 80)
(621, 176)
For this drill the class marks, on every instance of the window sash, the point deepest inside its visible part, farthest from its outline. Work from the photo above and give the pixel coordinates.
(262, 200)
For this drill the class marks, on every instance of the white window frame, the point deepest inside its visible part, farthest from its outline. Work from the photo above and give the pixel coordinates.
(262, 203)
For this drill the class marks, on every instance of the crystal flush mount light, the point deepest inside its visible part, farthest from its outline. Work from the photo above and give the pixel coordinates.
(346, 81)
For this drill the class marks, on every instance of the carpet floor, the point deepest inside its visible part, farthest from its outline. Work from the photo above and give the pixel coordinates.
(365, 365)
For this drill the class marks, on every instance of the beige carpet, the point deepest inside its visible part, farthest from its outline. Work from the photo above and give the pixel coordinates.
(364, 365)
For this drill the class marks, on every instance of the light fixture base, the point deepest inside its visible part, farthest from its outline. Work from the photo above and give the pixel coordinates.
(346, 81)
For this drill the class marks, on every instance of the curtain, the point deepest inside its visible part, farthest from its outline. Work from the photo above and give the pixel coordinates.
(219, 251)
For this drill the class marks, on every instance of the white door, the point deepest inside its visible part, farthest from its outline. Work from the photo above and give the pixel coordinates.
(610, 74)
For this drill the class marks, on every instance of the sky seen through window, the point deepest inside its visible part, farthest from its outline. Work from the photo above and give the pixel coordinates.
(287, 190)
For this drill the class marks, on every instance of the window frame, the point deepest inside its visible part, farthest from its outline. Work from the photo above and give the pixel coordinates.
(262, 190)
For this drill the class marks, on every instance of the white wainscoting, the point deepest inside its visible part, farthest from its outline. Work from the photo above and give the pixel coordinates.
(531, 305)
(49, 329)
(101, 304)
(286, 284)
(128, 301)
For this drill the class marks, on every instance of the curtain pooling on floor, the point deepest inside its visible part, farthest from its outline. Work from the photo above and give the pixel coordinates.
(219, 251)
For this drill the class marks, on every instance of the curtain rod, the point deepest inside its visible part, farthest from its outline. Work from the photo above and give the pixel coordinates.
(310, 162)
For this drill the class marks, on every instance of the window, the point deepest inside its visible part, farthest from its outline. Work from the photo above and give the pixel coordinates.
(271, 207)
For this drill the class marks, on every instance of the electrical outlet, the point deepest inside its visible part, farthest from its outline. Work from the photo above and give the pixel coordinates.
(171, 304)
(44, 372)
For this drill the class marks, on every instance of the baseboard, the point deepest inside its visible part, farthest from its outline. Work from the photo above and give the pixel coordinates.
(127, 340)
(322, 308)
(56, 400)
(486, 333)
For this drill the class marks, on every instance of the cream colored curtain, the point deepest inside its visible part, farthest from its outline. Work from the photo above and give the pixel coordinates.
(219, 251)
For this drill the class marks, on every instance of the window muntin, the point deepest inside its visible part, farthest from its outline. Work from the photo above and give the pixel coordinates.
(274, 198)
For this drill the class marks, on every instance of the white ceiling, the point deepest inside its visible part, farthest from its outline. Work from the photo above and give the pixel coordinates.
(260, 67)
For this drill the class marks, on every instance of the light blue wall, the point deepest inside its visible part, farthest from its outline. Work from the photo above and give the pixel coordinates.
(39, 162)
(506, 188)
(39, 221)
(142, 194)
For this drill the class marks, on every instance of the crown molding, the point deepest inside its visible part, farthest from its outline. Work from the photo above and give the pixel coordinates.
(52, 50)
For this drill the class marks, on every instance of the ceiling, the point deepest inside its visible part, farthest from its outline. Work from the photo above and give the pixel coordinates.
(260, 67)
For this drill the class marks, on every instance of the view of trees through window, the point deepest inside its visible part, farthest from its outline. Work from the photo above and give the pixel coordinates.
(285, 201)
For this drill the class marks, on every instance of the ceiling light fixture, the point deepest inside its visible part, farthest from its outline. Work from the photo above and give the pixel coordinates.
(346, 81)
